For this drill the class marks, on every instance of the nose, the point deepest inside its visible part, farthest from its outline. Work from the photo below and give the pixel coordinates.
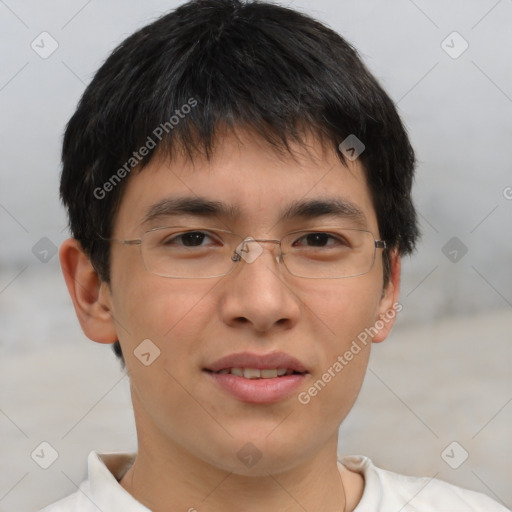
(256, 293)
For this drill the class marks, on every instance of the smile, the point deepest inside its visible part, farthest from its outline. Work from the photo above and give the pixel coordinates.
(256, 373)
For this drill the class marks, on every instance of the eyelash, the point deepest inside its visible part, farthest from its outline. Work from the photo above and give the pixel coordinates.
(177, 236)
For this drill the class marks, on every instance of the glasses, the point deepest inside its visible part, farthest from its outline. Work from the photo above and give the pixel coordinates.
(183, 252)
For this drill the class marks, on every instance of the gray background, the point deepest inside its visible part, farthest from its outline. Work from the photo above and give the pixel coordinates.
(444, 373)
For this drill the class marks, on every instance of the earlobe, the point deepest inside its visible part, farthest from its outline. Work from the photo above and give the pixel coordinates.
(389, 306)
(90, 296)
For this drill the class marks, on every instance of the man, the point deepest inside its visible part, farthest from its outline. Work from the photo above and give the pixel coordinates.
(239, 194)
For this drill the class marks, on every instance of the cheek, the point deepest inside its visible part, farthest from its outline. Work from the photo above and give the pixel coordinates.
(171, 313)
(343, 309)
(339, 315)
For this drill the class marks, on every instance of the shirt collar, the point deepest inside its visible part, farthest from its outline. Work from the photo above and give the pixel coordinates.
(105, 471)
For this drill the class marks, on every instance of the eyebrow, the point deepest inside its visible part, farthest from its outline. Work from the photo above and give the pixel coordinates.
(334, 207)
(300, 209)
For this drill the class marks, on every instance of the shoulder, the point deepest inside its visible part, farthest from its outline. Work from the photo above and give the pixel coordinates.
(101, 488)
(70, 503)
(385, 490)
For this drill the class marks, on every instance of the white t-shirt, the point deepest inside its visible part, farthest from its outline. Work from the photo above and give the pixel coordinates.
(384, 491)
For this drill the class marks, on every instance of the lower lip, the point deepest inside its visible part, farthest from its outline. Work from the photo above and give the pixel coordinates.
(258, 391)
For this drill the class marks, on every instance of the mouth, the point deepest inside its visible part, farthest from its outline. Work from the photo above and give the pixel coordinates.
(257, 373)
(256, 378)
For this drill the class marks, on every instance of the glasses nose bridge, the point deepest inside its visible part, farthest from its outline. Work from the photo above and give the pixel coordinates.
(267, 240)
(241, 249)
(277, 243)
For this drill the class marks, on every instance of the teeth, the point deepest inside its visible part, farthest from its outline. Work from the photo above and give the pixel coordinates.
(252, 373)
(256, 373)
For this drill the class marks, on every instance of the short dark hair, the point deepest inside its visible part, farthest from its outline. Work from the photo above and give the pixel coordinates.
(247, 64)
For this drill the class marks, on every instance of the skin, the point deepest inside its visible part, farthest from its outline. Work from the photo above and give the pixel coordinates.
(189, 430)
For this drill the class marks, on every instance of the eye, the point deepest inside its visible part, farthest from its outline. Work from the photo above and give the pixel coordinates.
(187, 239)
(322, 239)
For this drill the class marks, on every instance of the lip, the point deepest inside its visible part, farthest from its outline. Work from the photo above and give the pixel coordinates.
(258, 391)
(261, 361)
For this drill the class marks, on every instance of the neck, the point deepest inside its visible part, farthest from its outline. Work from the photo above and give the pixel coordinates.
(168, 478)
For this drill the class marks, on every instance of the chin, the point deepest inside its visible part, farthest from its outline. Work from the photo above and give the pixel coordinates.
(252, 455)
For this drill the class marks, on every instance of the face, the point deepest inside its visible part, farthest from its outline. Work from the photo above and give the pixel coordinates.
(257, 316)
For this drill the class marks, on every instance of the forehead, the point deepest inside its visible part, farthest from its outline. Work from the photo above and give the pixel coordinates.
(247, 182)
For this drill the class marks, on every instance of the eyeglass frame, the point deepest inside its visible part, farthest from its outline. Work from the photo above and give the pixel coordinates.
(236, 257)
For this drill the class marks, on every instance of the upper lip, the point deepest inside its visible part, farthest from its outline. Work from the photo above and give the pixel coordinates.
(261, 361)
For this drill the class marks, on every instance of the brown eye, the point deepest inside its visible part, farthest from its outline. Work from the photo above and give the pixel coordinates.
(188, 239)
(191, 239)
(320, 239)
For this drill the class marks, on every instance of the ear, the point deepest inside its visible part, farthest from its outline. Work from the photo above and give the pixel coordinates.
(90, 295)
(389, 306)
